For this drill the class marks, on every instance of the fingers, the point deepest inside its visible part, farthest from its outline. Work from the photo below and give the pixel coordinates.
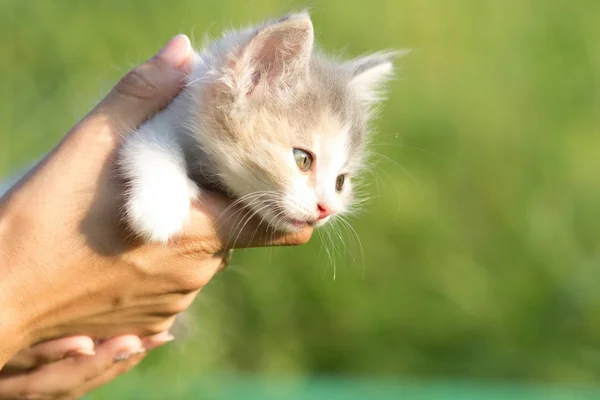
(233, 226)
(109, 375)
(50, 351)
(68, 377)
(149, 343)
(154, 341)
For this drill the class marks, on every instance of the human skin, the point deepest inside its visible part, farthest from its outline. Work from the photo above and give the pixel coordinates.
(73, 376)
(68, 266)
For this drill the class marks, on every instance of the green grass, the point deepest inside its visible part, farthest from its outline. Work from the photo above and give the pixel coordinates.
(481, 247)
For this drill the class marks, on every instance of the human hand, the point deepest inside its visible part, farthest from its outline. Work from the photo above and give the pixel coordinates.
(68, 266)
(55, 350)
(62, 373)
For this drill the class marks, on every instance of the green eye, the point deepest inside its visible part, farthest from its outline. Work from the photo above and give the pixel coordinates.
(339, 182)
(303, 159)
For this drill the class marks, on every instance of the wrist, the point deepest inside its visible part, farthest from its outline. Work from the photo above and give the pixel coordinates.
(14, 332)
(11, 340)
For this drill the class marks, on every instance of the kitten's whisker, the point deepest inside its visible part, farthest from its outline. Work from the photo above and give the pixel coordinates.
(337, 230)
(199, 79)
(412, 178)
(235, 228)
(335, 253)
(250, 198)
(402, 145)
(362, 253)
(252, 214)
(222, 222)
(376, 178)
(261, 219)
(396, 163)
(247, 209)
(331, 260)
(241, 199)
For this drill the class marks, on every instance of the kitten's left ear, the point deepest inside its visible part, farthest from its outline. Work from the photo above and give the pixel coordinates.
(279, 53)
(369, 74)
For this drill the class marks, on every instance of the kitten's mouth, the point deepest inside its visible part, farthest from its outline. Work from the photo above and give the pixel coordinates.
(283, 218)
(297, 223)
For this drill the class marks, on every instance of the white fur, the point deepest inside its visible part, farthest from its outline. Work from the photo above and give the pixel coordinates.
(303, 198)
(159, 191)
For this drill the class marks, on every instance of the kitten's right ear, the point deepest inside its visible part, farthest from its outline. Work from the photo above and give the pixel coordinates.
(370, 73)
(277, 55)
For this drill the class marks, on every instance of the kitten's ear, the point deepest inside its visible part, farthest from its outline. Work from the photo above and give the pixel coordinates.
(278, 54)
(369, 74)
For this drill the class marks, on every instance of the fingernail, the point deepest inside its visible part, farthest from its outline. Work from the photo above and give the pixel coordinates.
(177, 51)
(126, 355)
(138, 352)
(159, 340)
(80, 353)
(122, 357)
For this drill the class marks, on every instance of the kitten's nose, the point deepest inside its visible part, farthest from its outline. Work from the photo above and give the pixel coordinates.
(324, 211)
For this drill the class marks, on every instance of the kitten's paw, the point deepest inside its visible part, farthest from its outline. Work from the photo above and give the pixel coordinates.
(159, 210)
(159, 192)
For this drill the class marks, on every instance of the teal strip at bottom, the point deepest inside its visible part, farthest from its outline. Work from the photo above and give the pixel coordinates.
(249, 388)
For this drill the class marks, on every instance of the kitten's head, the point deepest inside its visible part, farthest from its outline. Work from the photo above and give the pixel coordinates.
(285, 127)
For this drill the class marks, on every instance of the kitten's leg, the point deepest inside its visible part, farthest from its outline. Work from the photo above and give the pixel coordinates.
(159, 191)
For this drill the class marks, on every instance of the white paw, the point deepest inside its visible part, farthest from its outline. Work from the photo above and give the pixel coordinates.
(159, 194)
(159, 209)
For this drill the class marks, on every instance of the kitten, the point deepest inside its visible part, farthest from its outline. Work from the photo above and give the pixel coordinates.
(266, 118)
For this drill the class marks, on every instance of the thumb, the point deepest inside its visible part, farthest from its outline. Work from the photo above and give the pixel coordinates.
(148, 88)
(219, 225)
(143, 92)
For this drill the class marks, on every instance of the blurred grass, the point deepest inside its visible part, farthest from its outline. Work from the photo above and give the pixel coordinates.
(481, 255)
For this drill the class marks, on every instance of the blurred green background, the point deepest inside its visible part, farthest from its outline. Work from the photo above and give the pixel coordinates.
(480, 255)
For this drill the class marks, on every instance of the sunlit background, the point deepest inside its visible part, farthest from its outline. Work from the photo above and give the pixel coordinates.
(476, 262)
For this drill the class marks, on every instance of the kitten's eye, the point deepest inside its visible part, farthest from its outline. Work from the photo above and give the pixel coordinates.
(339, 182)
(303, 159)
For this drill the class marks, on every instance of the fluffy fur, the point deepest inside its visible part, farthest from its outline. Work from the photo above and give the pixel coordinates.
(252, 97)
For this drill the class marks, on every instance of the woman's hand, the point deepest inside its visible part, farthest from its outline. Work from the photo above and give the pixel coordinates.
(57, 350)
(67, 266)
(61, 373)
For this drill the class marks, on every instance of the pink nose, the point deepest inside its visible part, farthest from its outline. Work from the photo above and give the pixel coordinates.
(324, 211)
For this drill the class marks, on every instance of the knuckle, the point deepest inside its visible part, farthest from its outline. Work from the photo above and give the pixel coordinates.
(180, 304)
(159, 327)
(189, 283)
(192, 273)
(173, 307)
(138, 84)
